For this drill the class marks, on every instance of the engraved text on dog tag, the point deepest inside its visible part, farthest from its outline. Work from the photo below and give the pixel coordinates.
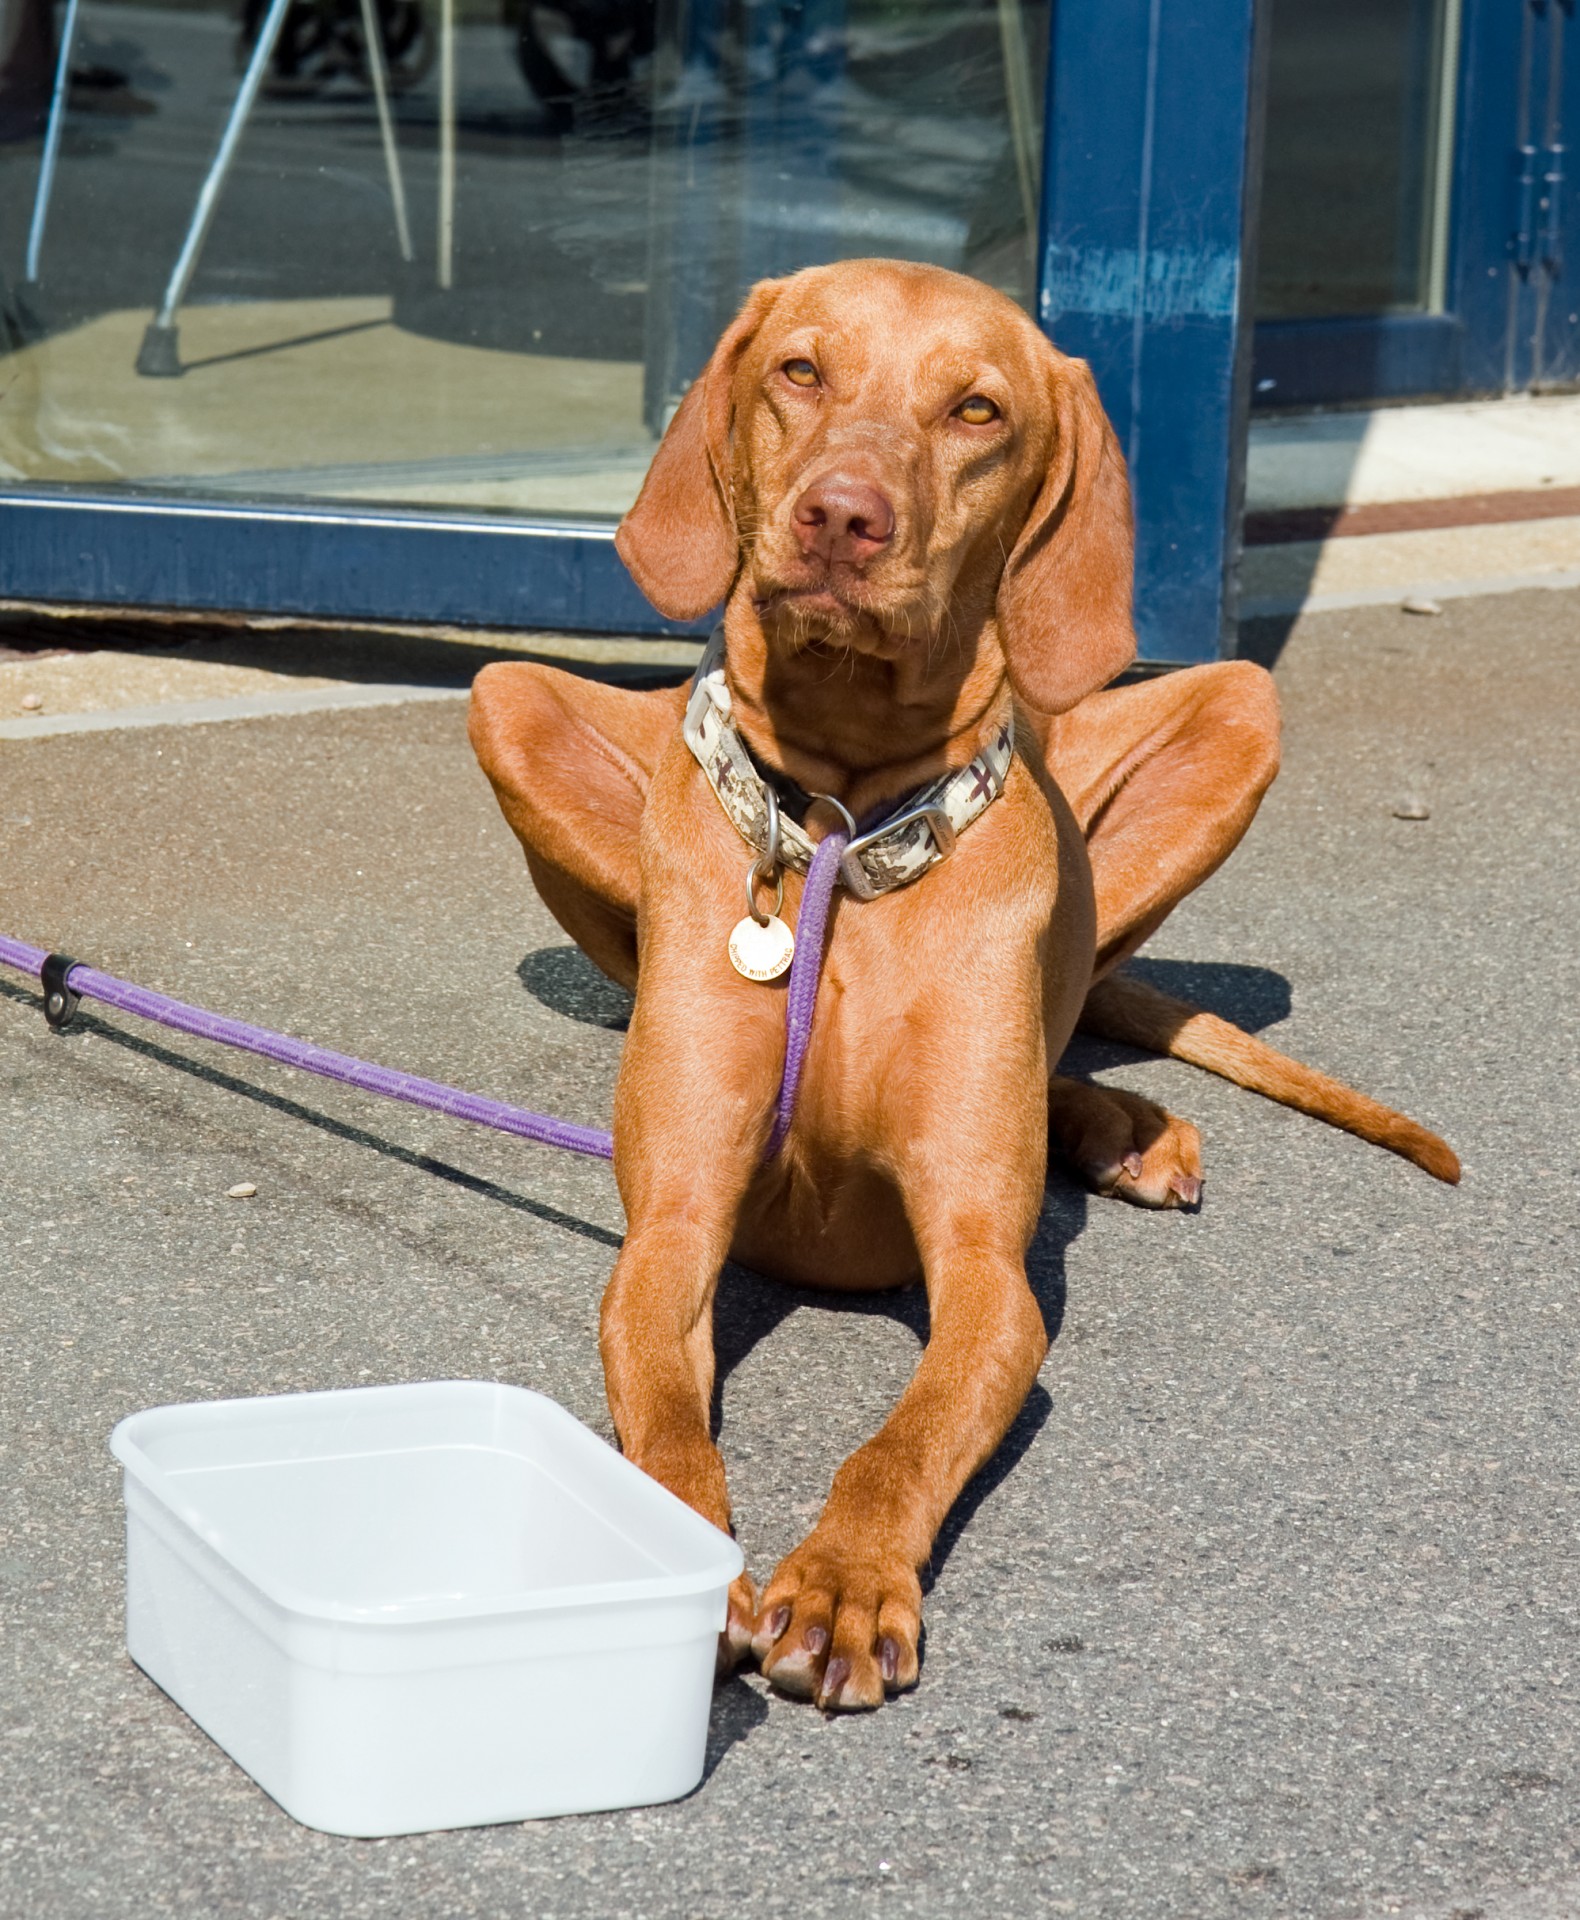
(761, 952)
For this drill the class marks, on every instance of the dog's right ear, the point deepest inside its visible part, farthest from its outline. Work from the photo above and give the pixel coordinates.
(680, 540)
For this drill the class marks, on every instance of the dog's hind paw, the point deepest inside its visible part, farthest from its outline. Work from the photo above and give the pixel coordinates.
(839, 1629)
(1124, 1146)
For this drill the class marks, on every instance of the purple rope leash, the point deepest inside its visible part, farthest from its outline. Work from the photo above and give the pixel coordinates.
(122, 994)
(126, 997)
(806, 968)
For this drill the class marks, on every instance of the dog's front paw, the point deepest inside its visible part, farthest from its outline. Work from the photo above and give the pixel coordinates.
(839, 1628)
(735, 1642)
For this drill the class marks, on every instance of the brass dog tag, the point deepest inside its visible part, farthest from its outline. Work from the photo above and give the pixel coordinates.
(761, 952)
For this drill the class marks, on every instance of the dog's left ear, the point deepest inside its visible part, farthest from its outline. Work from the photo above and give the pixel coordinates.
(680, 541)
(1063, 605)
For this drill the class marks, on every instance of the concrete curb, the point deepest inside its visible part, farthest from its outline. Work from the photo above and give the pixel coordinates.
(198, 713)
(1385, 595)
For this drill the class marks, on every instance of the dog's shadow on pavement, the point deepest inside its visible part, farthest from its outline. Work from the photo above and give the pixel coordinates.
(1252, 997)
(1063, 1216)
(737, 1711)
(565, 981)
(748, 1308)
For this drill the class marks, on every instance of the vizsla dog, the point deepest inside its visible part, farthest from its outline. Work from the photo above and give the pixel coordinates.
(918, 519)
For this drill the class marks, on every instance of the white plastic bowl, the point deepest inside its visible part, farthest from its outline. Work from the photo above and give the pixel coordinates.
(401, 1608)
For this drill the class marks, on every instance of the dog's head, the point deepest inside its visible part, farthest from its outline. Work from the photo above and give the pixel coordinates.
(886, 456)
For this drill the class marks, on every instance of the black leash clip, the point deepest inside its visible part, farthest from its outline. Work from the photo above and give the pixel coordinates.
(60, 1003)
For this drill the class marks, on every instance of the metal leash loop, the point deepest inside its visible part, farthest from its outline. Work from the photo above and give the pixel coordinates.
(60, 1003)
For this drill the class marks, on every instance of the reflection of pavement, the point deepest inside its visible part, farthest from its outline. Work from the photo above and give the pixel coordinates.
(324, 396)
(1269, 1605)
(1347, 179)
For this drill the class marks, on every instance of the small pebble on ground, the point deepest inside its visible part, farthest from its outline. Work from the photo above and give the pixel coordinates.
(243, 1190)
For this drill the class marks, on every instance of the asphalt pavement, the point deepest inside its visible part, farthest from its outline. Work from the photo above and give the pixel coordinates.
(1267, 1607)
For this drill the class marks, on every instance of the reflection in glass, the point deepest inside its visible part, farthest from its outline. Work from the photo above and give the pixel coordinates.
(1354, 188)
(621, 173)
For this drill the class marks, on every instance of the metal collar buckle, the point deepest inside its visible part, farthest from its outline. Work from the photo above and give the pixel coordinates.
(941, 826)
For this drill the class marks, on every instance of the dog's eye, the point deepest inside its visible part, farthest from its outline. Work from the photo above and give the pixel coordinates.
(800, 373)
(978, 411)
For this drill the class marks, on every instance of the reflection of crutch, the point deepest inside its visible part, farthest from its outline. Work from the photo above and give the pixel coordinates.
(46, 169)
(1022, 113)
(446, 143)
(159, 354)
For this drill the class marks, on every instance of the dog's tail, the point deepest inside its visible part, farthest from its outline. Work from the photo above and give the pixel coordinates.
(1128, 1010)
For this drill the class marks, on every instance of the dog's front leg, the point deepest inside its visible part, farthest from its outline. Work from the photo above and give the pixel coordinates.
(840, 1620)
(656, 1337)
(691, 1116)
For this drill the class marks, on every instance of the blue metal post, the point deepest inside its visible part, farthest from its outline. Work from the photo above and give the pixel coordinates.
(1153, 155)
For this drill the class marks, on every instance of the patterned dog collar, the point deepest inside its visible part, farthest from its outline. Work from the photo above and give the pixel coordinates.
(919, 833)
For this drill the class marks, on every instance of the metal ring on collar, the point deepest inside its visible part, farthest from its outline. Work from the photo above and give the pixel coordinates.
(771, 801)
(760, 870)
(840, 808)
(766, 865)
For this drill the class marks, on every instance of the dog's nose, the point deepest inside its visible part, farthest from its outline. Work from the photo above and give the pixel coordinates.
(840, 518)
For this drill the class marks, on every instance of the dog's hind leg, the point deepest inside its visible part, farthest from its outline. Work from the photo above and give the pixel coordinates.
(571, 761)
(1124, 1146)
(1164, 778)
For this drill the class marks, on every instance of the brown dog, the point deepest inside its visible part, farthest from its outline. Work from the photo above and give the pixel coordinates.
(919, 517)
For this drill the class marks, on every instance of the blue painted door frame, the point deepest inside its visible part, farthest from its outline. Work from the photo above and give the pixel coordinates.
(1147, 207)
(1148, 221)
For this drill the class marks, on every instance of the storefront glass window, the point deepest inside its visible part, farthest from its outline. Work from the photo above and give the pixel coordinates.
(1359, 134)
(587, 187)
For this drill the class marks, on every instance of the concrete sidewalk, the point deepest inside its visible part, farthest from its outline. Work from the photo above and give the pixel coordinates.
(1269, 1605)
(1512, 466)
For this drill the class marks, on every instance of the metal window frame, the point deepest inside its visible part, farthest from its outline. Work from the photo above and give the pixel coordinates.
(80, 547)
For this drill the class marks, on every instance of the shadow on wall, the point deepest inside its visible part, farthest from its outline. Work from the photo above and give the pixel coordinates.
(1301, 471)
(1263, 640)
